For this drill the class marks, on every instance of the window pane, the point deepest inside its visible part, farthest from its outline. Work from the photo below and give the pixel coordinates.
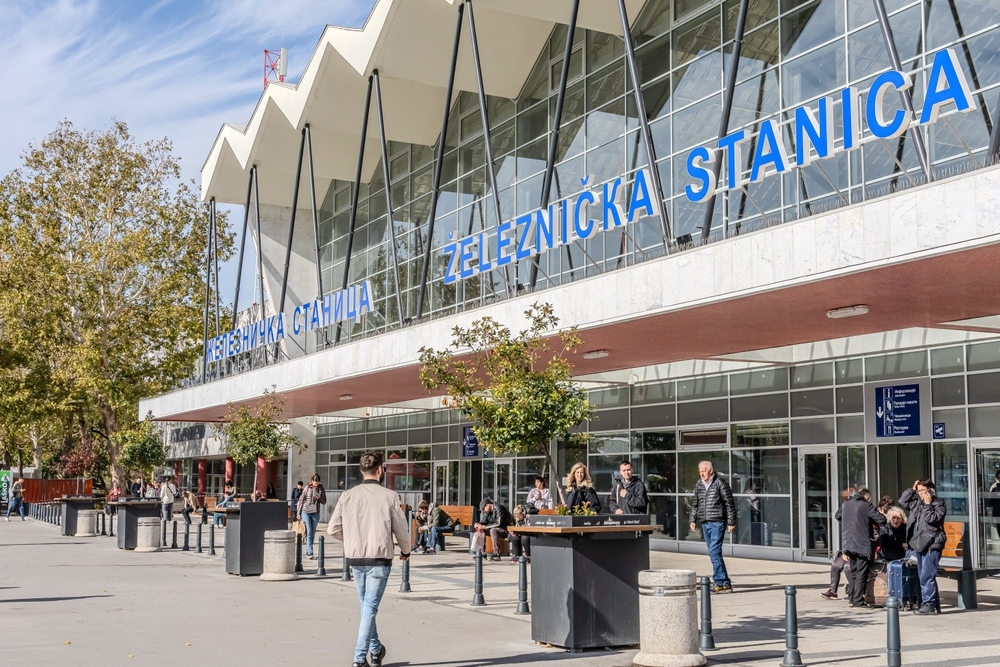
(850, 399)
(763, 521)
(761, 471)
(664, 511)
(951, 474)
(811, 403)
(814, 74)
(760, 435)
(895, 366)
(812, 431)
(775, 379)
(814, 375)
(660, 471)
(687, 468)
(983, 388)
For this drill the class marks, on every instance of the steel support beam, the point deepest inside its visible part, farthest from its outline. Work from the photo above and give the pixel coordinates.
(214, 216)
(970, 61)
(550, 162)
(647, 137)
(291, 223)
(354, 195)
(208, 295)
(890, 47)
(995, 135)
(315, 211)
(390, 225)
(491, 170)
(727, 109)
(438, 162)
(243, 244)
(260, 244)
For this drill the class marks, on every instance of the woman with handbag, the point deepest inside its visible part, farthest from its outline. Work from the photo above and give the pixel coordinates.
(308, 508)
(925, 539)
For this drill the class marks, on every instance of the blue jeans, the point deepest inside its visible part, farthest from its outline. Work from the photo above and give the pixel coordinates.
(311, 521)
(370, 580)
(439, 530)
(422, 539)
(714, 533)
(927, 567)
(18, 503)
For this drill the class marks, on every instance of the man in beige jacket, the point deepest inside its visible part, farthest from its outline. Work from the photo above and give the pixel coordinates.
(365, 519)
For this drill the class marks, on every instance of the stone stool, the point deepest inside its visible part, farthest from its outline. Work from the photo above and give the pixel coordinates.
(279, 556)
(147, 535)
(668, 620)
(86, 523)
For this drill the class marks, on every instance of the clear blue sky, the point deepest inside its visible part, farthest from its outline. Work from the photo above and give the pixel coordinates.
(169, 68)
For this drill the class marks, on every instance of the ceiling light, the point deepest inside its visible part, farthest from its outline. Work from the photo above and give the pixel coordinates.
(850, 311)
(595, 354)
(346, 397)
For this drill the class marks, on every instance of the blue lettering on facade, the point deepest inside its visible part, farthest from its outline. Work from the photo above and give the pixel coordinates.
(813, 129)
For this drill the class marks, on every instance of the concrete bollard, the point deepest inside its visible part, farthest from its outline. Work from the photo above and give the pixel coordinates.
(147, 536)
(668, 620)
(477, 586)
(86, 523)
(279, 556)
(894, 654)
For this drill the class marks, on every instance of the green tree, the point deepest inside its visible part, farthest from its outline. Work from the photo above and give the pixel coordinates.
(140, 448)
(517, 389)
(102, 276)
(258, 431)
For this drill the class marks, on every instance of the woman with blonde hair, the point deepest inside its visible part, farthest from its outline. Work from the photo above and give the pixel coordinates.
(580, 491)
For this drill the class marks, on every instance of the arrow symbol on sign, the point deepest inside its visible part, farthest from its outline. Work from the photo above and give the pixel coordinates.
(879, 413)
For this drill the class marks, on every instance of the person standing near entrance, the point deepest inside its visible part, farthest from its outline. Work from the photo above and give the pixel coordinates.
(366, 519)
(857, 517)
(167, 494)
(308, 508)
(926, 538)
(16, 498)
(628, 493)
(714, 507)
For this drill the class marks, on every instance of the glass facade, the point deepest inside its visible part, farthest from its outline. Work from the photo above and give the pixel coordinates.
(789, 440)
(795, 52)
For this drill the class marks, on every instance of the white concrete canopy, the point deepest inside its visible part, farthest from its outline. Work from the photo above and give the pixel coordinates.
(410, 43)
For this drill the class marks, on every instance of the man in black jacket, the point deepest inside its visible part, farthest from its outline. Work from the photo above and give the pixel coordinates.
(713, 505)
(628, 494)
(493, 521)
(857, 516)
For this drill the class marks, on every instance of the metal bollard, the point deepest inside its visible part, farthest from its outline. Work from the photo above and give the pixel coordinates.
(102, 516)
(404, 585)
(163, 541)
(345, 574)
(477, 597)
(197, 543)
(706, 642)
(211, 540)
(894, 653)
(111, 525)
(522, 587)
(187, 537)
(792, 657)
(173, 543)
(321, 562)
(298, 553)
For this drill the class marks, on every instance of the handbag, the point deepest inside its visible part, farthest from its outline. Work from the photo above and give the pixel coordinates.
(921, 542)
(299, 527)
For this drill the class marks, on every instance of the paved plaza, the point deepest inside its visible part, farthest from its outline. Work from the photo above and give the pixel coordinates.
(84, 602)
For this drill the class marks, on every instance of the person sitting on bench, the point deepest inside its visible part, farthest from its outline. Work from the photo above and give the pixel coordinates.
(438, 525)
(493, 521)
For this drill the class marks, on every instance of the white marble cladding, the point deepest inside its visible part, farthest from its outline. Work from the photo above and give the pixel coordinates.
(963, 211)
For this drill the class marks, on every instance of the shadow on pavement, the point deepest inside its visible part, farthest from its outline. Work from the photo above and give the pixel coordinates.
(59, 599)
(521, 659)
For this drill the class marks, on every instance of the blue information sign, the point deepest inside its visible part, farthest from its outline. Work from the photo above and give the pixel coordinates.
(470, 443)
(939, 431)
(897, 411)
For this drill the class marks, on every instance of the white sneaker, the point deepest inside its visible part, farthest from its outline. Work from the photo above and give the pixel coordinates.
(7, 519)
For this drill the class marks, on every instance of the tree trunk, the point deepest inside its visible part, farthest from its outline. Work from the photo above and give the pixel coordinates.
(36, 449)
(552, 467)
(110, 428)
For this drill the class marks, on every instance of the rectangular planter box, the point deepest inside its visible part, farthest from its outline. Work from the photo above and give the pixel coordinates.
(557, 521)
(71, 505)
(128, 519)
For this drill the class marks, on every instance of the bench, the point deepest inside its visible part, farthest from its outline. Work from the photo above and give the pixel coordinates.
(464, 517)
(957, 546)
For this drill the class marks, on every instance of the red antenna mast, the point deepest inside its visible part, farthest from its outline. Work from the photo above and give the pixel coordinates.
(275, 65)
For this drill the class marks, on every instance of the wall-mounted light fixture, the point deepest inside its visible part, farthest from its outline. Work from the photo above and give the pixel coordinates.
(850, 311)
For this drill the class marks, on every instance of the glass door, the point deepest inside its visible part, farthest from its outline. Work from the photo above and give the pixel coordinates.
(504, 492)
(817, 503)
(440, 490)
(987, 492)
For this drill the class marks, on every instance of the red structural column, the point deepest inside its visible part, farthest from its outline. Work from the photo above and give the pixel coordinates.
(272, 474)
(177, 472)
(202, 477)
(231, 470)
(261, 474)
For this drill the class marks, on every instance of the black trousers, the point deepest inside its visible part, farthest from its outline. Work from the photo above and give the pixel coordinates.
(838, 567)
(858, 576)
(520, 544)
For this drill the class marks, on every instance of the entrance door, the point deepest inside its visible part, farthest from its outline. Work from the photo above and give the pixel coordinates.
(504, 473)
(987, 519)
(440, 490)
(820, 534)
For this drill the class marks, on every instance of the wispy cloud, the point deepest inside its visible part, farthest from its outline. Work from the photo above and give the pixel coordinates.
(175, 68)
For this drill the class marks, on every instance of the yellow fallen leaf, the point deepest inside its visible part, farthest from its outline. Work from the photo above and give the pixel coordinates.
(187, 643)
(67, 642)
(130, 655)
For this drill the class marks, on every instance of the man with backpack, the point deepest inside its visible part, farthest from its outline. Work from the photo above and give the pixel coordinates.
(167, 494)
(16, 498)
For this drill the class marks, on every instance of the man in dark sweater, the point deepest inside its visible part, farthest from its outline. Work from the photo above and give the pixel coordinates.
(857, 516)
(713, 505)
(493, 521)
(628, 493)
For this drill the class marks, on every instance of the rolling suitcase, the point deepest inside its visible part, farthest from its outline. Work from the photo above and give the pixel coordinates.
(904, 583)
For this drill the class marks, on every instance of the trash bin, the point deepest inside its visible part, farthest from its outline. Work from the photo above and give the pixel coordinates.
(86, 523)
(147, 534)
(245, 530)
(668, 620)
(279, 556)
(129, 513)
